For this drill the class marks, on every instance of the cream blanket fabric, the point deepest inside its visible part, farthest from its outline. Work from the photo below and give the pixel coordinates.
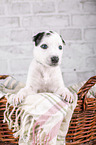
(44, 117)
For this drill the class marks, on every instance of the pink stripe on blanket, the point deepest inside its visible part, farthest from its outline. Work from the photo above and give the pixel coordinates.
(54, 131)
(43, 118)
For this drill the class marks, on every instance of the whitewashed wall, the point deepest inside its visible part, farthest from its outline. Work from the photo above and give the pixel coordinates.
(75, 20)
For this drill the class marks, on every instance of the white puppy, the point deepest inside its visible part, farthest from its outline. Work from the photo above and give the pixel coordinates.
(44, 73)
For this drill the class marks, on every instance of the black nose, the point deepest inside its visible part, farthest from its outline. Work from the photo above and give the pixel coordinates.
(54, 59)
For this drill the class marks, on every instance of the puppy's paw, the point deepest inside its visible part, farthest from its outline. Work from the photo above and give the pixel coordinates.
(22, 94)
(67, 96)
(19, 97)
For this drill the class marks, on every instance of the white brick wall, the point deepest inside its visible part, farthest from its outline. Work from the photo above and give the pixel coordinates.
(75, 20)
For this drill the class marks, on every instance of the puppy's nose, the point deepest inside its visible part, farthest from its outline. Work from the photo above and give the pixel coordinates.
(54, 59)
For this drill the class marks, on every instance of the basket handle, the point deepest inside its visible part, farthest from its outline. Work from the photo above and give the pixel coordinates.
(84, 90)
(3, 76)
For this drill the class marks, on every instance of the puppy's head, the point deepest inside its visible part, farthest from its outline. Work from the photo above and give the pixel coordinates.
(48, 48)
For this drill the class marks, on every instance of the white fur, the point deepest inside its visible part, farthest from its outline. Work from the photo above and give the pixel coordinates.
(42, 77)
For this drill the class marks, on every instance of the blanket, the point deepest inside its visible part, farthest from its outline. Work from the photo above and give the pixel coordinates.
(44, 117)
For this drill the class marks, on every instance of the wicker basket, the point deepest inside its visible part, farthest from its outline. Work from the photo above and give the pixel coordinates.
(83, 123)
(82, 126)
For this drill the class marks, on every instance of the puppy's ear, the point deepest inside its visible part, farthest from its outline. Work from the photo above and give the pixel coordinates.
(37, 38)
(62, 40)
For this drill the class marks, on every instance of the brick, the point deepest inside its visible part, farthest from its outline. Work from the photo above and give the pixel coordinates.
(19, 65)
(44, 29)
(81, 49)
(71, 34)
(3, 53)
(21, 36)
(84, 20)
(24, 0)
(19, 8)
(43, 7)
(20, 77)
(91, 62)
(94, 47)
(84, 1)
(18, 51)
(90, 35)
(4, 36)
(74, 56)
(3, 1)
(84, 75)
(73, 62)
(70, 78)
(2, 10)
(9, 22)
(69, 6)
(89, 6)
(45, 21)
(3, 66)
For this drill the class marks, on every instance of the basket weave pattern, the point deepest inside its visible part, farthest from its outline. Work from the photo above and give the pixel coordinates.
(82, 126)
(83, 123)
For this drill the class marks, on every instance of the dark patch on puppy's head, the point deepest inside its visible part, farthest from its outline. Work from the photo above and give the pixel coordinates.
(48, 34)
(38, 37)
(51, 31)
(62, 40)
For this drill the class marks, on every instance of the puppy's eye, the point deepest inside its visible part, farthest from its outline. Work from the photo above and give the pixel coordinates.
(60, 47)
(44, 46)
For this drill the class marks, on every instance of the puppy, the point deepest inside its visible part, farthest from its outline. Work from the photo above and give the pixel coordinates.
(44, 73)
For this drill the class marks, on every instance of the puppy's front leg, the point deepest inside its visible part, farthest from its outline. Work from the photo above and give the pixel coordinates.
(61, 89)
(22, 94)
(28, 90)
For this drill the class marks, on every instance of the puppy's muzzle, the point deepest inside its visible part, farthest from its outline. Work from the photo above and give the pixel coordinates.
(54, 59)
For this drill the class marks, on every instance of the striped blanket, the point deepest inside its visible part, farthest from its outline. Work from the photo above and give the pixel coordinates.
(44, 117)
